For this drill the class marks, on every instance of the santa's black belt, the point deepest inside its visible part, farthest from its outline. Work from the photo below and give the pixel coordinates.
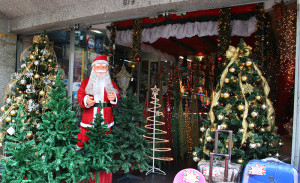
(104, 105)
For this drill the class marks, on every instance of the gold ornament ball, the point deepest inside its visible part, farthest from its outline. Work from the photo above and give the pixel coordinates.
(241, 107)
(249, 63)
(42, 93)
(264, 106)
(195, 153)
(201, 140)
(281, 144)
(270, 154)
(262, 130)
(196, 158)
(224, 126)
(36, 76)
(220, 117)
(8, 119)
(37, 112)
(49, 60)
(232, 69)
(251, 125)
(2, 108)
(208, 139)
(29, 135)
(202, 129)
(258, 97)
(227, 80)
(244, 78)
(277, 155)
(226, 95)
(258, 144)
(252, 145)
(13, 112)
(240, 161)
(32, 57)
(254, 114)
(241, 130)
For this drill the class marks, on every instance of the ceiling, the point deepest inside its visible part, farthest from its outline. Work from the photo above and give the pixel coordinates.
(33, 16)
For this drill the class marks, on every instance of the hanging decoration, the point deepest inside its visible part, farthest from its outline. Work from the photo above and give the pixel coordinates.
(181, 131)
(135, 48)
(187, 130)
(112, 46)
(285, 30)
(176, 113)
(153, 126)
(260, 34)
(224, 29)
(169, 99)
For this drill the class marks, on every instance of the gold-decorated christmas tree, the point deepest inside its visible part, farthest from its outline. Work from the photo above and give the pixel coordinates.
(30, 86)
(241, 104)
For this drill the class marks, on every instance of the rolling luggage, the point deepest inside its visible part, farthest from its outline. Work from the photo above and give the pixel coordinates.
(220, 171)
(270, 170)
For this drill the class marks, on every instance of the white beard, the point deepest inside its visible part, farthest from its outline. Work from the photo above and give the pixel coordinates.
(97, 84)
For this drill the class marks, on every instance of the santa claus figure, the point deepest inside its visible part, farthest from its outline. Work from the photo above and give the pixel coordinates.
(94, 91)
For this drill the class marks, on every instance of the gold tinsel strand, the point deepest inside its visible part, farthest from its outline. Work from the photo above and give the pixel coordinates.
(188, 129)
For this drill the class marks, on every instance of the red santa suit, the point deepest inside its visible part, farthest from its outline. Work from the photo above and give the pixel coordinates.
(89, 113)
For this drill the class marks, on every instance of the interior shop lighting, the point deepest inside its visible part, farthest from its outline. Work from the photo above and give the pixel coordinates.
(127, 60)
(96, 31)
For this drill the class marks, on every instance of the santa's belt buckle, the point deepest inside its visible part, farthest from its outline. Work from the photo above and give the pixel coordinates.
(103, 105)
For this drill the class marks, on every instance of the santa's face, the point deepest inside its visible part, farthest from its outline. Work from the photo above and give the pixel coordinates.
(100, 69)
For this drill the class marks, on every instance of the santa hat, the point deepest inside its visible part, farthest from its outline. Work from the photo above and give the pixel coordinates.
(102, 59)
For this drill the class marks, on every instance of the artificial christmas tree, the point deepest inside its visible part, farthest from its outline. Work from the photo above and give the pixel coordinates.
(241, 104)
(57, 159)
(31, 85)
(20, 152)
(99, 151)
(130, 147)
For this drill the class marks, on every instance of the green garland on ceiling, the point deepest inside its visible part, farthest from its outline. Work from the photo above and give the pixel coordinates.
(135, 49)
(245, 16)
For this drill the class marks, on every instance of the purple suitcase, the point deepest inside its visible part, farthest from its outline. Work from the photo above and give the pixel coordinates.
(270, 170)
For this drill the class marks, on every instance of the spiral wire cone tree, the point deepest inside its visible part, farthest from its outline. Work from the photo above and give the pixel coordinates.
(152, 135)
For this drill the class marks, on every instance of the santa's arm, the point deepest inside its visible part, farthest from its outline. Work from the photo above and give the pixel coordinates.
(116, 94)
(82, 97)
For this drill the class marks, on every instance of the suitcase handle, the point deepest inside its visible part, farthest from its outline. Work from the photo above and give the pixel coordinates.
(227, 159)
(272, 160)
(230, 141)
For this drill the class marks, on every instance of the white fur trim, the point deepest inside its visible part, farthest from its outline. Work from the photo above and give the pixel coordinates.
(86, 125)
(92, 126)
(109, 125)
(100, 62)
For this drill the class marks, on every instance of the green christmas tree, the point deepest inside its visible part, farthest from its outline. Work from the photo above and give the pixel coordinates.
(20, 152)
(30, 85)
(57, 159)
(241, 104)
(130, 147)
(99, 149)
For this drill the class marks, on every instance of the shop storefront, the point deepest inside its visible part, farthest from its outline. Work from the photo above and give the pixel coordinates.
(186, 52)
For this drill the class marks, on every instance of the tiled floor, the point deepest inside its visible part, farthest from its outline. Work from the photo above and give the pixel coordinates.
(170, 171)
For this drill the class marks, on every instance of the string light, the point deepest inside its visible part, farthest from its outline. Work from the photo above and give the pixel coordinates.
(287, 47)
